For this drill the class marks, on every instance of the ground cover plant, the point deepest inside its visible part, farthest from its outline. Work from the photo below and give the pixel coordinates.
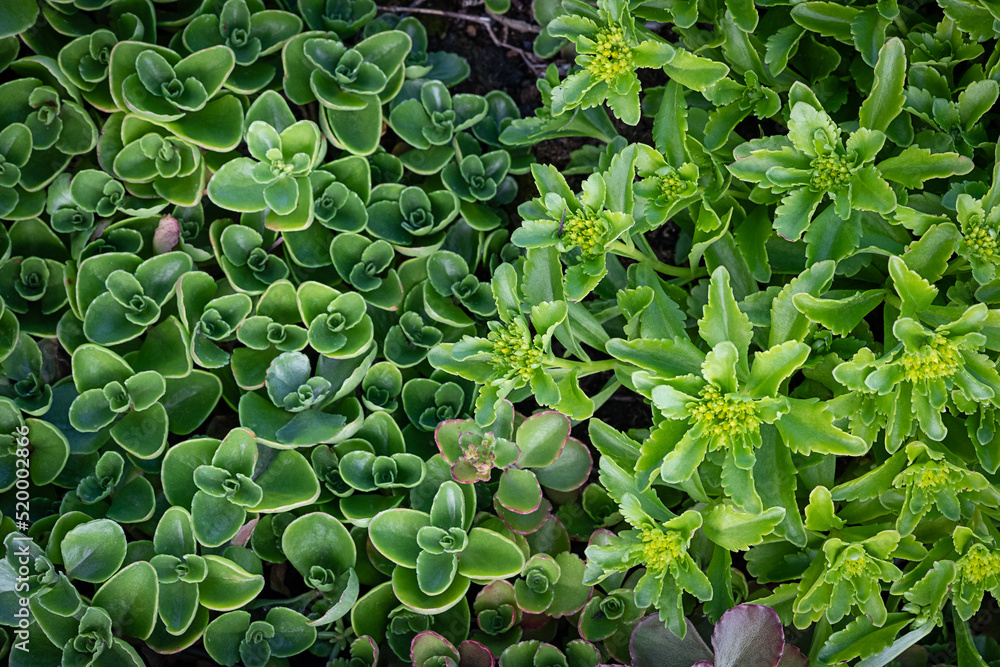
(319, 346)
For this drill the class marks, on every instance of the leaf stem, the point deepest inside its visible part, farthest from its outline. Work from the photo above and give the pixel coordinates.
(297, 601)
(619, 248)
(585, 368)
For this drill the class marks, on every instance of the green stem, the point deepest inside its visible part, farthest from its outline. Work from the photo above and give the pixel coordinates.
(901, 25)
(959, 264)
(298, 600)
(585, 368)
(619, 248)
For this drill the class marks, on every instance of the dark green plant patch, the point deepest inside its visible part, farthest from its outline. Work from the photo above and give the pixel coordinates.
(564, 333)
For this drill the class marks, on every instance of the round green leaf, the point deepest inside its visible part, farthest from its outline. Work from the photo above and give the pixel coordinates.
(94, 551)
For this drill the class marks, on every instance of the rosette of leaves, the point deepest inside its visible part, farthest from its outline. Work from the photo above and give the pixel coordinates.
(124, 296)
(552, 585)
(952, 125)
(610, 48)
(614, 613)
(97, 192)
(219, 482)
(410, 218)
(539, 453)
(480, 180)
(814, 162)
(748, 635)
(666, 189)
(65, 216)
(368, 267)
(276, 177)
(717, 407)
(979, 228)
(154, 163)
(289, 385)
(111, 392)
(33, 279)
(848, 575)
(659, 544)
(338, 322)
(180, 571)
(58, 123)
(438, 554)
(303, 409)
(181, 94)
(380, 604)
(47, 587)
(430, 649)
(919, 482)
(977, 571)
(60, 127)
(444, 66)
(427, 401)
(449, 281)
(92, 640)
(15, 150)
(211, 321)
(351, 83)
(233, 638)
(427, 117)
(84, 61)
(381, 387)
(275, 327)
(384, 167)
(734, 102)
(344, 17)
(501, 112)
(130, 498)
(474, 451)
(928, 364)
(498, 616)
(515, 354)
(576, 653)
(582, 229)
(326, 464)
(341, 189)
(49, 448)
(367, 471)
(408, 341)
(244, 257)
(596, 509)
(322, 551)
(251, 35)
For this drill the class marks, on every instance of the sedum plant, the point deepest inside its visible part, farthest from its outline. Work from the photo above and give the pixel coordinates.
(672, 338)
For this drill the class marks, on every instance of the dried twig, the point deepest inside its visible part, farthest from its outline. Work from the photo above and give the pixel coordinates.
(513, 24)
(536, 67)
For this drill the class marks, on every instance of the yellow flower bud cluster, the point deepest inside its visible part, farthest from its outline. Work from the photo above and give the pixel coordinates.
(660, 548)
(671, 185)
(937, 359)
(831, 173)
(979, 564)
(931, 476)
(724, 414)
(982, 243)
(514, 350)
(855, 564)
(612, 55)
(584, 230)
